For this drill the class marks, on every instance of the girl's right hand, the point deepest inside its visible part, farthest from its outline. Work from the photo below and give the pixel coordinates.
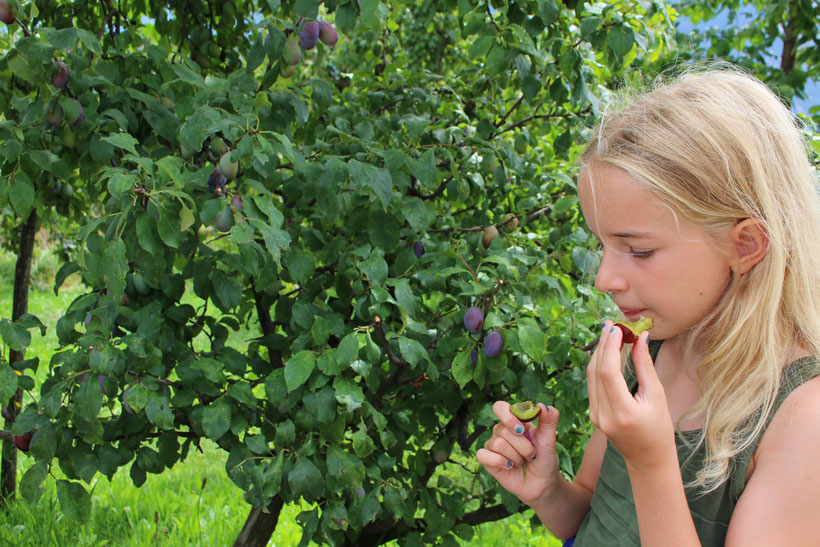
(509, 448)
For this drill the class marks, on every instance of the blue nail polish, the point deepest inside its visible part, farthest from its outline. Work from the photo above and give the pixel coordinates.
(519, 429)
(612, 329)
(533, 457)
(509, 464)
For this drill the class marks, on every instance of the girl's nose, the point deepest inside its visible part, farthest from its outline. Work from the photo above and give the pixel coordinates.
(609, 277)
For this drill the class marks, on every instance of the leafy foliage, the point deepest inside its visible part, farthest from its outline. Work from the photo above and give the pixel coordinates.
(358, 391)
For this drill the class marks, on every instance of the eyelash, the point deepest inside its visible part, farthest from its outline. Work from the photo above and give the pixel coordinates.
(599, 247)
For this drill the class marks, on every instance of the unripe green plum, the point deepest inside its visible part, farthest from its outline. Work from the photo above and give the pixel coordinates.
(69, 138)
(54, 114)
(140, 285)
(490, 233)
(224, 219)
(292, 54)
(218, 146)
(61, 76)
(511, 222)
(520, 143)
(67, 191)
(287, 71)
(490, 163)
(228, 167)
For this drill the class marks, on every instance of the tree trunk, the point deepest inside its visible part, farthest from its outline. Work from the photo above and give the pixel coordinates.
(260, 524)
(19, 307)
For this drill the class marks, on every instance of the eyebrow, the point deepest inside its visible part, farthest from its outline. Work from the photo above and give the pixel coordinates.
(626, 235)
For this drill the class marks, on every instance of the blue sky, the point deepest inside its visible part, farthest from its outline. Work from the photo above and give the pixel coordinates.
(746, 13)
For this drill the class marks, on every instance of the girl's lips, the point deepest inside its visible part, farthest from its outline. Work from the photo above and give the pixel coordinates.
(632, 314)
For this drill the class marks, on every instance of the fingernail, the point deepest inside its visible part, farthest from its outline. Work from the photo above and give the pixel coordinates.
(519, 429)
(533, 457)
(612, 330)
(509, 464)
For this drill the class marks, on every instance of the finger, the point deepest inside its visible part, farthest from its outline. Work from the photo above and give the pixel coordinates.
(516, 449)
(645, 372)
(610, 375)
(502, 410)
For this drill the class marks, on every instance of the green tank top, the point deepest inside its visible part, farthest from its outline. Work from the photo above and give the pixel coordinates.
(611, 519)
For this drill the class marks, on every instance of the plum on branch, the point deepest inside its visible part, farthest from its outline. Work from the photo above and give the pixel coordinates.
(473, 319)
(493, 344)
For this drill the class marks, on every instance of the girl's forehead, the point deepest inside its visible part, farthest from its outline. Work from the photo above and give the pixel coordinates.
(614, 202)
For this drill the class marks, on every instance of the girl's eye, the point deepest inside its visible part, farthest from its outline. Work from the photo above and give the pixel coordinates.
(640, 254)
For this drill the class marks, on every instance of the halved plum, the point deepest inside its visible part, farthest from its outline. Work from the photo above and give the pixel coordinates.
(526, 411)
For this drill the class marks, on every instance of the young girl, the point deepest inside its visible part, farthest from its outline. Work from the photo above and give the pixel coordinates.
(708, 212)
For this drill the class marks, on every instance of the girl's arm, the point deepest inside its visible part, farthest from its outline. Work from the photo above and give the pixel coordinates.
(641, 428)
(523, 460)
(780, 503)
(563, 509)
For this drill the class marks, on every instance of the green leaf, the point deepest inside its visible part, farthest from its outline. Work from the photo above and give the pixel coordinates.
(75, 501)
(533, 340)
(309, 9)
(300, 264)
(426, 169)
(621, 38)
(21, 195)
(158, 410)
(90, 41)
(146, 228)
(298, 369)
(462, 368)
(320, 330)
(345, 467)
(375, 268)
(8, 381)
(31, 485)
(362, 443)
(348, 349)
(216, 419)
(88, 399)
(348, 393)
(306, 480)
(377, 179)
(115, 266)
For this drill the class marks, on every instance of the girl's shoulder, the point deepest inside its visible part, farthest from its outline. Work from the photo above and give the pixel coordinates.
(797, 414)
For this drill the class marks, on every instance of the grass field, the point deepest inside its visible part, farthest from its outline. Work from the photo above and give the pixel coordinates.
(172, 509)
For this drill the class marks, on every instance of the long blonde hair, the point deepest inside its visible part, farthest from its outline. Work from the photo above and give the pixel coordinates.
(717, 146)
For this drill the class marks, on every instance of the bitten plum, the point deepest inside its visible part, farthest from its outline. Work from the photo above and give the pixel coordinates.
(474, 319)
(633, 329)
(493, 344)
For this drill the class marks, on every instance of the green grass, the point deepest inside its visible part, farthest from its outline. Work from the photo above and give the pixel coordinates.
(176, 508)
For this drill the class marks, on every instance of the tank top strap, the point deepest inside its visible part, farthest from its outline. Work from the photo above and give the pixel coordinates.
(794, 375)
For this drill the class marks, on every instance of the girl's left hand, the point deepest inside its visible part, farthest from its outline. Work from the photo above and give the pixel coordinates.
(639, 425)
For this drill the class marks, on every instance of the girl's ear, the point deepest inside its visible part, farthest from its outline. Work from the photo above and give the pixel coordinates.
(749, 243)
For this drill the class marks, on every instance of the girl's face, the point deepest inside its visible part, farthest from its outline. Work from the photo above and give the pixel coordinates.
(654, 263)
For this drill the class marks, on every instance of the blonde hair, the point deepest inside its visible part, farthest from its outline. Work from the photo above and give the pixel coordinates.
(717, 146)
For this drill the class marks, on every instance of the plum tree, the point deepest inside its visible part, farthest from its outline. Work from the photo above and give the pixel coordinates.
(473, 319)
